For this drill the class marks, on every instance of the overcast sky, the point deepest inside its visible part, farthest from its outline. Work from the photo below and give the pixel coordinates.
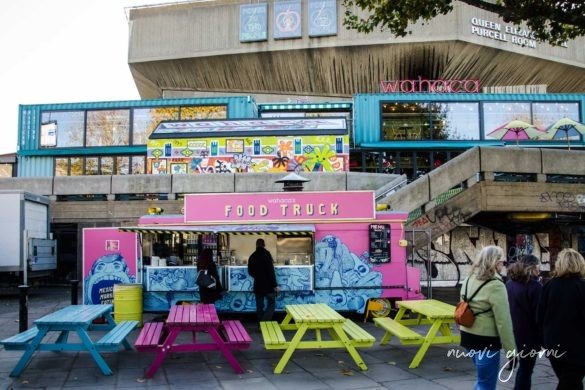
(50, 49)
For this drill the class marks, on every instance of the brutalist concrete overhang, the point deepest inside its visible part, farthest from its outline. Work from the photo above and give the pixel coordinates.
(196, 47)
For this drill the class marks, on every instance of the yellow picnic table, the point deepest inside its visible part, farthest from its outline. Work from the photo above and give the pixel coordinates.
(342, 333)
(439, 315)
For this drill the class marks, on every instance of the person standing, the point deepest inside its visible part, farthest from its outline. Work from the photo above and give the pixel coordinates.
(206, 263)
(492, 327)
(524, 291)
(261, 268)
(561, 315)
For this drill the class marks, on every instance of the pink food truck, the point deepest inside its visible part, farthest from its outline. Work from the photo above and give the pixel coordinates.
(328, 247)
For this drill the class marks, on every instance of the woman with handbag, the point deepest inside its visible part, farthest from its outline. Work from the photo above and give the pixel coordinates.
(205, 263)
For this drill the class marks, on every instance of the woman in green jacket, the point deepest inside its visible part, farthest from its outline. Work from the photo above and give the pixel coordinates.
(492, 328)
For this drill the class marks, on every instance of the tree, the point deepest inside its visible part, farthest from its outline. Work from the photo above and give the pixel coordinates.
(552, 21)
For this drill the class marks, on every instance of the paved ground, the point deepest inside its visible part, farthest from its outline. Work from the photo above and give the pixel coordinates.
(307, 370)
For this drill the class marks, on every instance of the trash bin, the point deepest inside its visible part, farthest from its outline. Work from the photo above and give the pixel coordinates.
(128, 302)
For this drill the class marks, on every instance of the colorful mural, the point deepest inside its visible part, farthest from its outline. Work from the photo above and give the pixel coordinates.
(324, 153)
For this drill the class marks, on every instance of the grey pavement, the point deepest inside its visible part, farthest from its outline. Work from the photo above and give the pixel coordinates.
(307, 370)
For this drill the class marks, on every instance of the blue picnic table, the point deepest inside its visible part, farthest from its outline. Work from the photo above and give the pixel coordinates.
(78, 319)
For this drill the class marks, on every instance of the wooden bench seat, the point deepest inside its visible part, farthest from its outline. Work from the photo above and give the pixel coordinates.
(272, 335)
(116, 335)
(150, 336)
(394, 328)
(235, 333)
(358, 335)
(21, 340)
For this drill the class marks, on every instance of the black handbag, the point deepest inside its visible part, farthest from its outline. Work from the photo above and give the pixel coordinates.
(204, 280)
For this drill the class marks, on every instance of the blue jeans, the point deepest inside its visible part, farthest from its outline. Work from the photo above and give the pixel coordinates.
(261, 314)
(487, 366)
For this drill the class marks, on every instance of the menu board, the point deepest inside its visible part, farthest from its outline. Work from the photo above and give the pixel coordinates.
(379, 243)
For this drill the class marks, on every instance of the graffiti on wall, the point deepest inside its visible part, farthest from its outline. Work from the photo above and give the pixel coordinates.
(452, 253)
(566, 200)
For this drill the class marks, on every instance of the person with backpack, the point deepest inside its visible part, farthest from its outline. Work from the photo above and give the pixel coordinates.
(524, 291)
(491, 328)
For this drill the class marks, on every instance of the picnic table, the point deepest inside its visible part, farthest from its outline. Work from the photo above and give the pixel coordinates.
(439, 315)
(79, 320)
(301, 318)
(161, 337)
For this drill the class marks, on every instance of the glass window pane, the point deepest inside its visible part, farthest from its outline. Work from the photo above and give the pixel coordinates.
(5, 170)
(69, 127)
(108, 128)
(122, 165)
(496, 115)
(204, 112)
(107, 165)
(405, 121)
(146, 120)
(138, 165)
(91, 166)
(76, 166)
(455, 121)
(61, 165)
(546, 114)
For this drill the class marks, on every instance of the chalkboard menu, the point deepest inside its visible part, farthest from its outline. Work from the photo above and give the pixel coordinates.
(380, 243)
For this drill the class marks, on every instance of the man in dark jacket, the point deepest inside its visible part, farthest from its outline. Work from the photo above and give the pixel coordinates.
(261, 268)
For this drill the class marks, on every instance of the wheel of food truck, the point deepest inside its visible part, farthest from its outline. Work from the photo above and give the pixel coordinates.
(380, 307)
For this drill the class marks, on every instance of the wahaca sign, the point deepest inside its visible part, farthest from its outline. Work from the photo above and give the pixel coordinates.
(429, 86)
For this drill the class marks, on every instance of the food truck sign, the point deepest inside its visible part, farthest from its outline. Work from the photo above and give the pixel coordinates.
(280, 207)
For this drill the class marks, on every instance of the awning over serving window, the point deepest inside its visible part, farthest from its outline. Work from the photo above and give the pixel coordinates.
(168, 229)
(252, 229)
(281, 229)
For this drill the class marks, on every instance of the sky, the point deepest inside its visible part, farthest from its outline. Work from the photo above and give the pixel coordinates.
(49, 48)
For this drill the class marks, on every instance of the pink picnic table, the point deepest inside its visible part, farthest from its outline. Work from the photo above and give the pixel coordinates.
(225, 336)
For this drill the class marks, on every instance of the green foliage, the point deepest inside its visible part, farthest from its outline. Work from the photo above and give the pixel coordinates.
(552, 21)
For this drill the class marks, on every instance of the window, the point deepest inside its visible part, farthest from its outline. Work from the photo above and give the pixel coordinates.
(6, 170)
(108, 128)
(147, 119)
(203, 112)
(546, 114)
(430, 121)
(405, 121)
(92, 166)
(138, 165)
(65, 126)
(96, 165)
(122, 165)
(496, 115)
(455, 121)
(62, 167)
(76, 166)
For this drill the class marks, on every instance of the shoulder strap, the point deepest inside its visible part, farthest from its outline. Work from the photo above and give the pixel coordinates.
(476, 291)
